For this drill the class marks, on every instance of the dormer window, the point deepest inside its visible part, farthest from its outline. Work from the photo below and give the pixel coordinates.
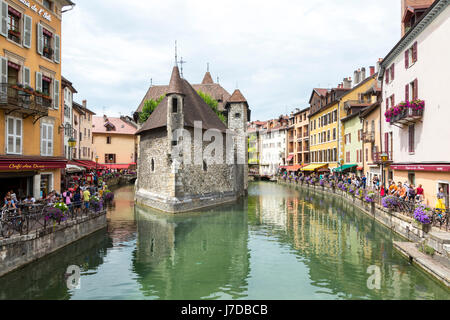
(174, 105)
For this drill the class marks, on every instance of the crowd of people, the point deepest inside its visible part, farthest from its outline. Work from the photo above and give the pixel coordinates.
(76, 195)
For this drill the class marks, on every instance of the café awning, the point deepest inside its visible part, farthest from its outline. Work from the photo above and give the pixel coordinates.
(71, 168)
(314, 167)
(345, 167)
(290, 157)
(118, 166)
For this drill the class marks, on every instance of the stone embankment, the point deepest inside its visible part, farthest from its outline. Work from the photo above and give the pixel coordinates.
(19, 250)
(437, 264)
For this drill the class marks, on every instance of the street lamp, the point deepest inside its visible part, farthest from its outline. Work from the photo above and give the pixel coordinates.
(384, 158)
(72, 143)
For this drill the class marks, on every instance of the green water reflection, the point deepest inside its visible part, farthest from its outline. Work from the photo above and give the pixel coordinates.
(279, 243)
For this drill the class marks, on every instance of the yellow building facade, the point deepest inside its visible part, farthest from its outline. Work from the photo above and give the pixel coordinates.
(31, 148)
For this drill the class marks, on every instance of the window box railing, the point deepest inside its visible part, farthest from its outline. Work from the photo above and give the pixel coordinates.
(22, 99)
(405, 112)
(14, 33)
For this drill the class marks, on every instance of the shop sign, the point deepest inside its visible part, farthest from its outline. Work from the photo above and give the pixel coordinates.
(30, 166)
(433, 168)
(40, 12)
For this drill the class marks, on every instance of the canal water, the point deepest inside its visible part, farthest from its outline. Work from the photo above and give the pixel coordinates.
(279, 243)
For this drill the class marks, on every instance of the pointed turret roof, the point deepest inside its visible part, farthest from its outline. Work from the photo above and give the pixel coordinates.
(176, 83)
(207, 79)
(237, 96)
(194, 109)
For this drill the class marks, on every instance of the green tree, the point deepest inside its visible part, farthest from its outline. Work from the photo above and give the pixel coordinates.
(149, 107)
(210, 101)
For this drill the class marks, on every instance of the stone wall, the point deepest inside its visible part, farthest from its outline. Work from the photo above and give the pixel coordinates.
(160, 181)
(18, 251)
(401, 224)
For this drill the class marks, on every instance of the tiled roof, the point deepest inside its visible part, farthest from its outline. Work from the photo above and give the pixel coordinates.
(121, 127)
(194, 109)
(237, 97)
(215, 90)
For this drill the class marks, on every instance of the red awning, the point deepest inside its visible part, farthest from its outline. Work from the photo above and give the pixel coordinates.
(425, 167)
(360, 168)
(117, 166)
(88, 164)
(294, 168)
(290, 157)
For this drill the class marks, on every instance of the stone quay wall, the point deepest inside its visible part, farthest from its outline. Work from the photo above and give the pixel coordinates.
(18, 251)
(399, 223)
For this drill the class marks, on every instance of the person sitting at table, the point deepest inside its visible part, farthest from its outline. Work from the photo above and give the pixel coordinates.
(11, 206)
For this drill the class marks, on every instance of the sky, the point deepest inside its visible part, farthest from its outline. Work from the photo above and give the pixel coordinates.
(275, 52)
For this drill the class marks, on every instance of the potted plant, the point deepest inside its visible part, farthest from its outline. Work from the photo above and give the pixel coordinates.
(28, 89)
(15, 33)
(422, 217)
(38, 93)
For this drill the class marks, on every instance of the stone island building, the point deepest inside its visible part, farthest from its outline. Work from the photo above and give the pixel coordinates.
(178, 169)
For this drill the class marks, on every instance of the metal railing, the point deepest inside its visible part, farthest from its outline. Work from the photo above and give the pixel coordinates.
(32, 218)
(407, 115)
(19, 99)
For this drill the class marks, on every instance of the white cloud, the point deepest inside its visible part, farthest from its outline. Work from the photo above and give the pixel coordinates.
(276, 52)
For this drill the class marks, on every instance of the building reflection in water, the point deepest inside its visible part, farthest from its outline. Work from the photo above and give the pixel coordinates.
(338, 244)
(44, 279)
(193, 256)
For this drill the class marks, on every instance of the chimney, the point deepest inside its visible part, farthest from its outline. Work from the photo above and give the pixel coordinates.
(347, 83)
(372, 70)
(363, 74)
(355, 77)
(85, 104)
(380, 60)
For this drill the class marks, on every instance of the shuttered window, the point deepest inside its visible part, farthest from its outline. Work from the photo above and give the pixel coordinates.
(3, 18)
(46, 139)
(56, 94)
(393, 72)
(27, 30)
(412, 130)
(416, 91)
(414, 52)
(26, 76)
(407, 59)
(57, 44)
(40, 39)
(407, 92)
(14, 135)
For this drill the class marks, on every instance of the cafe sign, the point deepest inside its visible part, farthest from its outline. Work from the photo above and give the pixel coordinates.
(44, 14)
(27, 166)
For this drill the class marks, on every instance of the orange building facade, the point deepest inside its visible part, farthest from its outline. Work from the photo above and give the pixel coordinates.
(31, 131)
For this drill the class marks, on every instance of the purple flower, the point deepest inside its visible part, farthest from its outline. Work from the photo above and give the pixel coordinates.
(420, 214)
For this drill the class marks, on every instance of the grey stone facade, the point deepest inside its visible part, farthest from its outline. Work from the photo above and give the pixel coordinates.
(178, 174)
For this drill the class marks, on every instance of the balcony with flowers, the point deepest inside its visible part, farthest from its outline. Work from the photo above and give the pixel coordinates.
(405, 112)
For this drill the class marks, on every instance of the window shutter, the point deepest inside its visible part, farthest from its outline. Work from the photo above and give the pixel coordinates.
(416, 90)
(57, 55)
(386, 75)
(28, 30)
(406, 59)
(4, 19)
(393, 100)
(40, 39)
(49, 140)
(43, 138)
(350, 137)
(393, 71)
(3, 74)
(414, 52)
(56, 94)
(38, 81)
(386, 142)
(26, 76)
(407, 92)
(387, 103)
(411, 138)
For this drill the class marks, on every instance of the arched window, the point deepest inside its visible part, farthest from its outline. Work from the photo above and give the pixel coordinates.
(153, 165)
(174, 105)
